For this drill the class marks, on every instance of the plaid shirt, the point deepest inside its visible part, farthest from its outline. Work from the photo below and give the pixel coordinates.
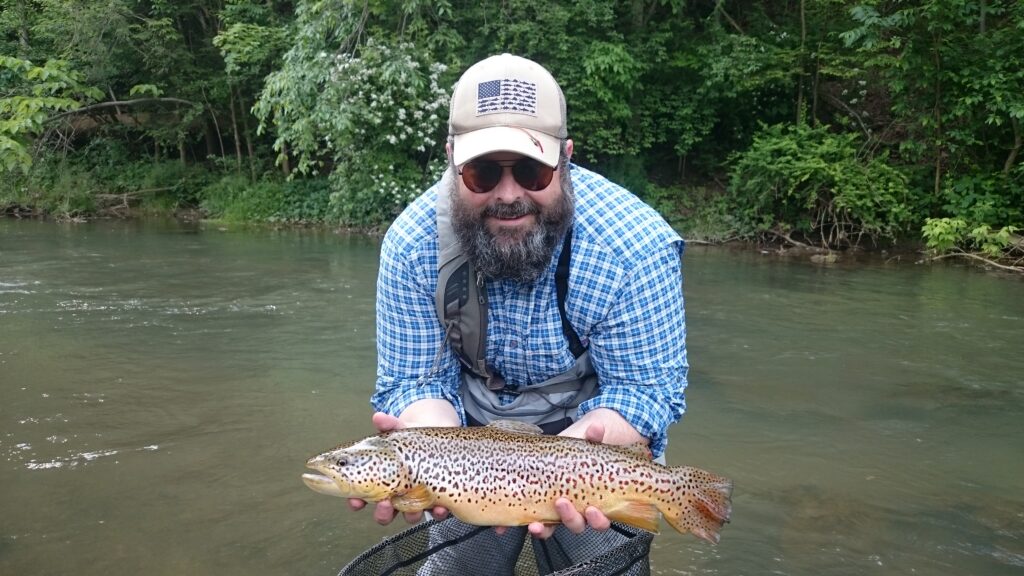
(625, 301)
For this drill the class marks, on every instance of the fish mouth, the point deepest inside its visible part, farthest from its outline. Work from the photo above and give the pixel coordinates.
(323, 485)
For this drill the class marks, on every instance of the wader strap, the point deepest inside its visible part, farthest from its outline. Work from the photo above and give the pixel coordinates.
(461, 298)
(562, 291)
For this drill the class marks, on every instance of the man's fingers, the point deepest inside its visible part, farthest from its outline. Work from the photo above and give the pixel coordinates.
(384, 512)
(439, 512)
(356, 504)
(571, 518)
(385, 422)
(596, 519)
(540, 530)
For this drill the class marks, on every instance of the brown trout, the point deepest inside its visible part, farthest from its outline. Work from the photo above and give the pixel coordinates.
(508, 474)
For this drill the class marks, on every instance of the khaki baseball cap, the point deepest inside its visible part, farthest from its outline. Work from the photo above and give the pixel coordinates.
(510, 104)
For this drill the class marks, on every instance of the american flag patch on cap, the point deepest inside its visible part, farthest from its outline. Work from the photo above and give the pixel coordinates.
(508, 95)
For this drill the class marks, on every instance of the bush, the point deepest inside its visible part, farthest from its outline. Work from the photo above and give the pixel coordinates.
(996, 199)
(815, 183)
(233, 198)
(946, 235)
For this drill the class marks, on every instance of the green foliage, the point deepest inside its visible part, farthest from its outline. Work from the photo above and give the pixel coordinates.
(954, 70)
(63, 194)
(703, 213)
(924, 99)
(373, 118)
(813, 182)
(30, 94)
(235, 199)
(248, 47)
(945, 235)
(996, 199)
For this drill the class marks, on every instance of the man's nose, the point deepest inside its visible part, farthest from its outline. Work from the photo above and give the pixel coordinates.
(508, 190)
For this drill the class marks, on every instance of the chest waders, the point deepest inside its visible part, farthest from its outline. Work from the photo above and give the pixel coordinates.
(461, 305)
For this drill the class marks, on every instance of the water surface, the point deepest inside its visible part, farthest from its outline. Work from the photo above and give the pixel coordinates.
(162, 384)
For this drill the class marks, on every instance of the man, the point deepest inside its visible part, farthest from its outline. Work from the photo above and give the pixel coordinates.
(522, 286)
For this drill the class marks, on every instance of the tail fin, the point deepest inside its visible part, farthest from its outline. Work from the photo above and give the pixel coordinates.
(700, 504)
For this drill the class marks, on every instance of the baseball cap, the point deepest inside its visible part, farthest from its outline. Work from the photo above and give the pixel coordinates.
(507, 103)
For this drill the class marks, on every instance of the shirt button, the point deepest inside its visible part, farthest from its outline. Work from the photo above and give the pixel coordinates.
(513, 344)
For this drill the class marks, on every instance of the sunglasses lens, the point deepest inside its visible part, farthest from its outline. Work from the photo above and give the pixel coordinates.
(531, 174)
(481, 176)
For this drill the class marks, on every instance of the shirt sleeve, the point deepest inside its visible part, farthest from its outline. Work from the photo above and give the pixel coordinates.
(413, 360)
(639, 349)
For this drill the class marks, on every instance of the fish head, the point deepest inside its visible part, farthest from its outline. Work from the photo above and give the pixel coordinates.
(369, 469)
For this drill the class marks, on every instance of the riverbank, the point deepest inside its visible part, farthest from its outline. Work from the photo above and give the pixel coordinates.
(899, 253)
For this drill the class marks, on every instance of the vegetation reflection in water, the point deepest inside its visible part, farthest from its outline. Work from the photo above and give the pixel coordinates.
(163, 385)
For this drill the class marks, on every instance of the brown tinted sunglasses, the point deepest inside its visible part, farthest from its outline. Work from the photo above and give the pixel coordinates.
(481, 176)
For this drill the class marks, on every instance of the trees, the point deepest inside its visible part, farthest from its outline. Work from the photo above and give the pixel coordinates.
(29, 95)
(913, 109)
(954, 73)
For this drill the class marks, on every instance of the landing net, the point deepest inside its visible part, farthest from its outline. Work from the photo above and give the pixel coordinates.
(452, 548)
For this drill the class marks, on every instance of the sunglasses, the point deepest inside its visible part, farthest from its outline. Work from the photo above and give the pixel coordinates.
(481, 176)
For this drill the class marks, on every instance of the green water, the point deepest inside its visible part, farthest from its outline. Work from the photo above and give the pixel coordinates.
(161, 386)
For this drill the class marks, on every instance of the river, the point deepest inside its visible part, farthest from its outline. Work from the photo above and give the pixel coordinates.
(161, 385)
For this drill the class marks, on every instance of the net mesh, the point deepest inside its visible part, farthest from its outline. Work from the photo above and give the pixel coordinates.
(450, 547)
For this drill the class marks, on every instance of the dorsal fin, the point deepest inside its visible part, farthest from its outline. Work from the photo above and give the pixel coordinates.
(516, 426)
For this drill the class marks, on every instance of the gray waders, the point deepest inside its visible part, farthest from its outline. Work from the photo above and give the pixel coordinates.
(461, 304)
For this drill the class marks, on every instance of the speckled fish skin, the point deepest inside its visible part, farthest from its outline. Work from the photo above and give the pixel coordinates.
(504, 475)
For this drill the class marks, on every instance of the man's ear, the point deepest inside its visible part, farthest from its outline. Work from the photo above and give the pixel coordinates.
(568, 148)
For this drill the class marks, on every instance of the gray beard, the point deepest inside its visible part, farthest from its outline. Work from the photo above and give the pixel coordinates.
(518, 256)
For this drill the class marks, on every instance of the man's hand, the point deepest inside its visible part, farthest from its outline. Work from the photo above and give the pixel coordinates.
(422, 413)
(599, 425)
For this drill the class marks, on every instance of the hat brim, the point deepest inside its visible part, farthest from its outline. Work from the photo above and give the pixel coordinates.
(537, 145)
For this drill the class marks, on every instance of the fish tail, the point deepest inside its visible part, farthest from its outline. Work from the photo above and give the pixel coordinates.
(701, 502)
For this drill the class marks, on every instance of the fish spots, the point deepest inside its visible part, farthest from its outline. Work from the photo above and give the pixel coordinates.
(491, 476)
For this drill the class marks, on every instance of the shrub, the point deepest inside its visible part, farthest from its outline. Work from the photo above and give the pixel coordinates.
(233, 198)
(816, 184)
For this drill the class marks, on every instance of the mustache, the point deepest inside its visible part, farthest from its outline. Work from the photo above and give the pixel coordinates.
(511, 210)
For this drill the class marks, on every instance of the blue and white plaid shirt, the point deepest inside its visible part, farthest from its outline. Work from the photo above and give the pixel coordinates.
(625, 301)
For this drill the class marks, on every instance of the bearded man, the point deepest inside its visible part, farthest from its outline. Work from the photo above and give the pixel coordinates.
(522, 286)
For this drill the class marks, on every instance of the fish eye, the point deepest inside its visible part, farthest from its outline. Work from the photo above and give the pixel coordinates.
(341, 461)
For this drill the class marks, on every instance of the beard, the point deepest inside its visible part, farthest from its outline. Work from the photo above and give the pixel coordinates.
(513, 254)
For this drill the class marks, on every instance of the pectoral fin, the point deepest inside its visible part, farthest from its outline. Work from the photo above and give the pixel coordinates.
(417, 498)
(639, 514)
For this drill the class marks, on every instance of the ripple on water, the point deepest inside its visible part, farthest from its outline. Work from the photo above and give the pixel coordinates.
(82, 458)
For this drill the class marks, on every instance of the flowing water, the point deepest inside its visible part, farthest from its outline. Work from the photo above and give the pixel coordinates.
(162, 384)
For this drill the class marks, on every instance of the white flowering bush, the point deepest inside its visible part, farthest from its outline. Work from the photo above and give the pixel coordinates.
(391, 120)
(373, 116)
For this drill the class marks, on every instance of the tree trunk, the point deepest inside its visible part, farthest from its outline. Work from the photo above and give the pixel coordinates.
(1018, 142)
(210, 137)
(286, 165)
(250, 149)
(238, 139)
(814, 87)
(216, 124)
(938, 117)
(801, 64)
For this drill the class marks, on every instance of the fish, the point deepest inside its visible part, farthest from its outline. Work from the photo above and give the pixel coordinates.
(509, 474)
